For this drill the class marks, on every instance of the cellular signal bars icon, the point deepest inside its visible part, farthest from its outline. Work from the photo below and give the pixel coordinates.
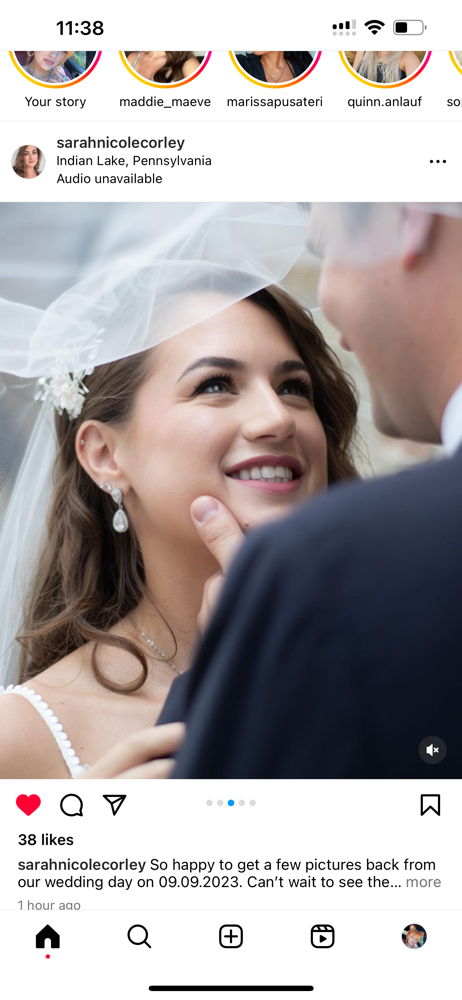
(344, 28)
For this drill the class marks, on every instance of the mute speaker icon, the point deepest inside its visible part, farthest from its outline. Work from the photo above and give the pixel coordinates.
(432, 747)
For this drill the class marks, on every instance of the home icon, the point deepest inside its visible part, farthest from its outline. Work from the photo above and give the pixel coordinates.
(47, 934)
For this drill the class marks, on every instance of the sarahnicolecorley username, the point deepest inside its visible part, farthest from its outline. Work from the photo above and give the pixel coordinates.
(128, 143)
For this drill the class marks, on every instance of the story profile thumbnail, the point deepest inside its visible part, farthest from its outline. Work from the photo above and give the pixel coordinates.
(55, 69)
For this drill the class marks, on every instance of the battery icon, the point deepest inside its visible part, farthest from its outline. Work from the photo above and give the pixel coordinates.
(409, 27)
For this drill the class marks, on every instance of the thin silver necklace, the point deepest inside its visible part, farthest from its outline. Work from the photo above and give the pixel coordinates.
(273, 76)
(157, 648)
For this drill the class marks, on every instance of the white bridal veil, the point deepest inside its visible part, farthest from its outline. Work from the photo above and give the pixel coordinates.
(83, 285)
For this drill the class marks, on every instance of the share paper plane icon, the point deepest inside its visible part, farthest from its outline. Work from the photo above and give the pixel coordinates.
(115, 802)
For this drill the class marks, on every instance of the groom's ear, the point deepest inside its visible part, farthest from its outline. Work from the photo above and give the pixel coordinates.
(417, 227)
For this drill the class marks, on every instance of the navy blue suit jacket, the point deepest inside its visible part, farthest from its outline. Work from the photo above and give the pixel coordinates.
(336, 646)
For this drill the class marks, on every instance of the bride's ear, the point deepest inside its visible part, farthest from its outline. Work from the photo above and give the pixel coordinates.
(96, 448)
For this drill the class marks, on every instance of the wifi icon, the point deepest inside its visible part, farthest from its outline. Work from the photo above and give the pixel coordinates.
(375, 25)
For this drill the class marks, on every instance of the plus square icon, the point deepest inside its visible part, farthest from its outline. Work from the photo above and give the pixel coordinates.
(231, 936)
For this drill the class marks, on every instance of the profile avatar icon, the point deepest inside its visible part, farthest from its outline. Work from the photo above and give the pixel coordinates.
(28, 161)
(414, 936)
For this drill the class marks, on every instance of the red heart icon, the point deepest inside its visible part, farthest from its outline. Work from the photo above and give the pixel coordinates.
(28, 803)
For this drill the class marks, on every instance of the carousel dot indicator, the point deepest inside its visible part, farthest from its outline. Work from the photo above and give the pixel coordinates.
(229, 802)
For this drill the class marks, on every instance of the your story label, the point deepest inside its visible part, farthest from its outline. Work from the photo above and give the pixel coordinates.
(56, 102)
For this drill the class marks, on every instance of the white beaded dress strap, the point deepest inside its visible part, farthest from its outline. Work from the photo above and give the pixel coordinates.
(55, 727)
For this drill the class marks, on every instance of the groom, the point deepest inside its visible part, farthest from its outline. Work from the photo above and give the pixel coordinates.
(335, 648)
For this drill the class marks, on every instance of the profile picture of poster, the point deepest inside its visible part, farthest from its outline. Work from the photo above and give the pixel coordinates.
(28, 161)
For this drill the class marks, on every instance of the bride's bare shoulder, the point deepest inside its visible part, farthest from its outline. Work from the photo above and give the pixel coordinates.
(27, 747)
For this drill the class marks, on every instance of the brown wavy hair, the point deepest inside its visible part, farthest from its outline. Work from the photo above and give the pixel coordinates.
(19, 166)
(172, 70)
(89, 577)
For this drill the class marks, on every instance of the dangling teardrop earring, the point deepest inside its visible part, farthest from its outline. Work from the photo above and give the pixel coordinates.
(120, 519)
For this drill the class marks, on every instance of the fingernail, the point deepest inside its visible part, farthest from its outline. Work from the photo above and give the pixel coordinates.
(204, 508)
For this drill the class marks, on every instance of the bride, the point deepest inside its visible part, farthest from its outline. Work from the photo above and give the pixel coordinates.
(217, 429)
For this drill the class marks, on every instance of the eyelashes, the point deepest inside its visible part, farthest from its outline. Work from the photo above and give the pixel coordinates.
(216, 380)
(297, 386)
(304, 387)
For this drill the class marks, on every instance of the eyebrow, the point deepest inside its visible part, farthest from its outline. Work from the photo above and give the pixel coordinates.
(233, 364)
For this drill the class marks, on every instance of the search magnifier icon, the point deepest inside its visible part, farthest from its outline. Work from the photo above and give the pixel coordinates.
(138, 934)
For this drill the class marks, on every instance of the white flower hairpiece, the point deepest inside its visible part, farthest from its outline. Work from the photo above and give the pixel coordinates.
(64, 392)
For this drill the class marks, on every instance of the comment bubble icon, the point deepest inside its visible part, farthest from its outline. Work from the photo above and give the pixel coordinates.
(71, 805)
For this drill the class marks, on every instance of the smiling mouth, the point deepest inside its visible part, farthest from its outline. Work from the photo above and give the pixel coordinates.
(274, 478)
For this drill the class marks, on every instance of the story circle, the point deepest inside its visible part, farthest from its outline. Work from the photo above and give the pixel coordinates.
(275, 86)
(55, 86)
(165, 86)
(455, 61)
(384, 86)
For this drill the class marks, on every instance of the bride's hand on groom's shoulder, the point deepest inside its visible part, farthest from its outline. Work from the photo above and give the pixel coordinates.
(143, 754)
(223, 536)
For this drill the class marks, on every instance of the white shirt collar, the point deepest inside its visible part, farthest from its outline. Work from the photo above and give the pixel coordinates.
(451, 424)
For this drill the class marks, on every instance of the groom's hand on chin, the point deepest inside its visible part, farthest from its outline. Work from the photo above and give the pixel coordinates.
(222, 535)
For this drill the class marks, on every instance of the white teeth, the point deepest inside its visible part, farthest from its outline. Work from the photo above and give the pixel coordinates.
(278, 473)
